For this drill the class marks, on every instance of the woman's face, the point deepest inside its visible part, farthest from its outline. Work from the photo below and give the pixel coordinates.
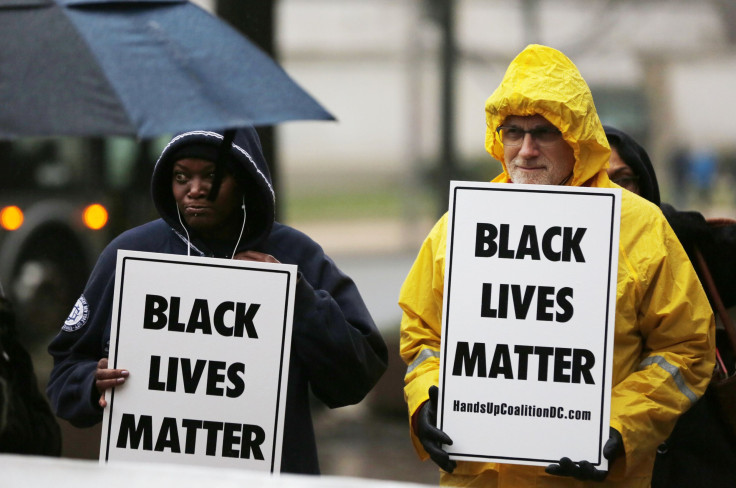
(622, 174)
(191, 182)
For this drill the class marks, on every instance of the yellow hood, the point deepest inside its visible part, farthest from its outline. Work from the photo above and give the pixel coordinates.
(542, 80)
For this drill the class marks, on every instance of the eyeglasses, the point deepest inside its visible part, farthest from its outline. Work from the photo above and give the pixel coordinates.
(514, 136)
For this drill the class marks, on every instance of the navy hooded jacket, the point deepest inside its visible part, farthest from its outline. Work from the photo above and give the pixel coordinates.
(336, 350)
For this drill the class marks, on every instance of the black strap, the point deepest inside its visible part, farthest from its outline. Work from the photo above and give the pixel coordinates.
(716, 298)
(223, 155)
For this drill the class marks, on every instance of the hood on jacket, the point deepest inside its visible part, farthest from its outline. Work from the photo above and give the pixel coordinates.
(637, 159)
(542, 80)
(246, 163)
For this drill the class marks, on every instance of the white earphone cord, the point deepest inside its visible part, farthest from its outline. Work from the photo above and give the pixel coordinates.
(245, 216)
(189, 246)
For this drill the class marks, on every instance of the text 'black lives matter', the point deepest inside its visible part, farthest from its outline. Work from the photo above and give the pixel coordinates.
(497, 306)
(568, 365)
(191, 375)
(556, 243)
(161, 313)
(236, 441)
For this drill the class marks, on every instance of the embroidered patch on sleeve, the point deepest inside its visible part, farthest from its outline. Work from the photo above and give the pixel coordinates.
(78, 316)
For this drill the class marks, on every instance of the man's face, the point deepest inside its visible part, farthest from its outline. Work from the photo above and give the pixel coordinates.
(532, 163)
(191, 183)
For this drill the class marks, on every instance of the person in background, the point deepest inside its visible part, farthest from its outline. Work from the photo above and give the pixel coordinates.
(27, 424)
(632, 169)
(630, 166)
(701, 442)
(542, 125)
(216, 199)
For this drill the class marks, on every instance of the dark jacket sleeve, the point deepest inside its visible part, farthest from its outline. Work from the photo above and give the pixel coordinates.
(80, 345)
(334, 336)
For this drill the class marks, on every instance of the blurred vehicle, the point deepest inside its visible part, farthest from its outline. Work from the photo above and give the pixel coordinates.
(61, 201)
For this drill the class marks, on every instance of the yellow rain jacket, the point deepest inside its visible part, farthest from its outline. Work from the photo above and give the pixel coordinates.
(664, 333)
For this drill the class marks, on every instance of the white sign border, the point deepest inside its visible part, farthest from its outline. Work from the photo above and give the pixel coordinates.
(609, 320)
(289, 270)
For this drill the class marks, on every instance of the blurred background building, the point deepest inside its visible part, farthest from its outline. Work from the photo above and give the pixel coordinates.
(407, 81)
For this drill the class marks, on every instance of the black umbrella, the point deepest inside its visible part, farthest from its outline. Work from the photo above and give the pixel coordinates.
(135, 67)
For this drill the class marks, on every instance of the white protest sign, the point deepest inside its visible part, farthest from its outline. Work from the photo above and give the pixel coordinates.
(207, 344)
(528, 322)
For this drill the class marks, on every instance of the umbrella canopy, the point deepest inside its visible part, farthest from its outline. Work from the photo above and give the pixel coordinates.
(135, 67)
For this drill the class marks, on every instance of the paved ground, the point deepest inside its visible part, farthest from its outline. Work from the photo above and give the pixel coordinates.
(356, 442)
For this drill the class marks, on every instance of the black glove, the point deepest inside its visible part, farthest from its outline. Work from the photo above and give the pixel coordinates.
(584, 470)
(430, 436)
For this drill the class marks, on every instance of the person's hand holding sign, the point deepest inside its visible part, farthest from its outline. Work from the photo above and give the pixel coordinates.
(584, 470)
(255, 256)
(107, 378)
(430, 436)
